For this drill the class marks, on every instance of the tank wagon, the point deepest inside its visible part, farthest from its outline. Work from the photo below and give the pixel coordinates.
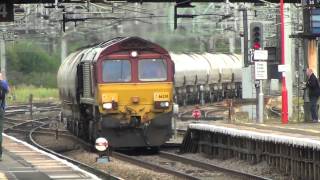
(121, 89)
(213, 76)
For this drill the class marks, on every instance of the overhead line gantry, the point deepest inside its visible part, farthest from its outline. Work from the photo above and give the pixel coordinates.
(142, 1)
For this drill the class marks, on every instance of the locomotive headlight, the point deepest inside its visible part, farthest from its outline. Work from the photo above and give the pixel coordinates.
(161, 104)
(134, 53)
(110, 105)
(164, 104)
(107, 105)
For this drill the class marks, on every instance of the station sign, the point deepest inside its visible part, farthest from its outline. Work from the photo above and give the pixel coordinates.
(260, 70)
(283, 68)
(6, 11)
(260, 55)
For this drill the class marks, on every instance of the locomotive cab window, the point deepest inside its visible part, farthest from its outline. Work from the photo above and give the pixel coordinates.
(152, 70)
(116, 71)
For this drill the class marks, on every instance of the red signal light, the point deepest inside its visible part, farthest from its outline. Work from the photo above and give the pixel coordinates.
(256, 45)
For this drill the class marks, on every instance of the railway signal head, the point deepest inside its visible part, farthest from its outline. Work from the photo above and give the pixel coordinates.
(256, 31)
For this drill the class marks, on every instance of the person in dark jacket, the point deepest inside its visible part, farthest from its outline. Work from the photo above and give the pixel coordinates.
(314, 93)
(4, 89)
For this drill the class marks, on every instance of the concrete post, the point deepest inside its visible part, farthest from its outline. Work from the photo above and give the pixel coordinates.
(63, 47)
(260, 103)
(3, 56)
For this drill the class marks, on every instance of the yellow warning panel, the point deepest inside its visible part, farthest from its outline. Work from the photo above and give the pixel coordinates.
(109, 97)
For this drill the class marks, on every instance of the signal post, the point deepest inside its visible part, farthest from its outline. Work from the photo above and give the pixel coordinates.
(260, 73)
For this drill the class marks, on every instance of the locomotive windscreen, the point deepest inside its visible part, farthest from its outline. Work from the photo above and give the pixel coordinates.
(116, 71)
(152, 70)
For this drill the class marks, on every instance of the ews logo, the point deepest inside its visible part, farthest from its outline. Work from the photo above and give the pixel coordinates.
(6, 11)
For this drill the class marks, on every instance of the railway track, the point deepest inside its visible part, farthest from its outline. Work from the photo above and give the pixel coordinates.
(209, 167)
(213, 111)
(22, 126)
(93, 170)
(192, 169)
(31, 108)
(26, 130)
(21, 129)
(184, 167)
(165, 162)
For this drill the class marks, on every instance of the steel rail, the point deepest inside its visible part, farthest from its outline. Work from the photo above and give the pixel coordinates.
(26, 122)
(210, 167)
(54, 134)
(60, 133)
(151, 166)
(95, 171)
(12, 119)
(170, 145)
(44, 108)
(8, 122)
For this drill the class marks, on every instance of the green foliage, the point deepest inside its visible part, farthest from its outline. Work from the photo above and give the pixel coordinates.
(31, 65)
(39, 79)
(21, 94)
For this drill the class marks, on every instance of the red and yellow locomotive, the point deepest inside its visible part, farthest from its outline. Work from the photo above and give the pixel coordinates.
(121, 90)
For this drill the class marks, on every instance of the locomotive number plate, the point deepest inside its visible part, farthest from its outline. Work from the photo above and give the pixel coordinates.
(161, 96)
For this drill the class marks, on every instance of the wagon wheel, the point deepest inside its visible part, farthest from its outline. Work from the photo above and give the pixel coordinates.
(68, 125)
(90, 132)
(76, 128)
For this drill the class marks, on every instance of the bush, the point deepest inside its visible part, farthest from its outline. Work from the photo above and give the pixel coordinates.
(31, 66)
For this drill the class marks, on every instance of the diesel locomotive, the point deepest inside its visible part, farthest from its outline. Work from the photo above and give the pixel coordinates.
(121, 89)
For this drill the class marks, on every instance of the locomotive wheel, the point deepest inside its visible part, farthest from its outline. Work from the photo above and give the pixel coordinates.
(90, 132)
(68, 125)
(76, 125)
(154, 149)
(72, 127)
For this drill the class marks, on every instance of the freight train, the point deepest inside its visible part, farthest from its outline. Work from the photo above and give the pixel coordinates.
(207, 77)
(121, 89)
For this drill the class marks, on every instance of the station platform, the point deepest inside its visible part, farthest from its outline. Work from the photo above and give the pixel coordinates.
(296, 129)
(292, 148)
(22, 161)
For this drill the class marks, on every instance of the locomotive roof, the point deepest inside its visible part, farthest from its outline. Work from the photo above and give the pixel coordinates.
(120, 44)
(131, 43)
